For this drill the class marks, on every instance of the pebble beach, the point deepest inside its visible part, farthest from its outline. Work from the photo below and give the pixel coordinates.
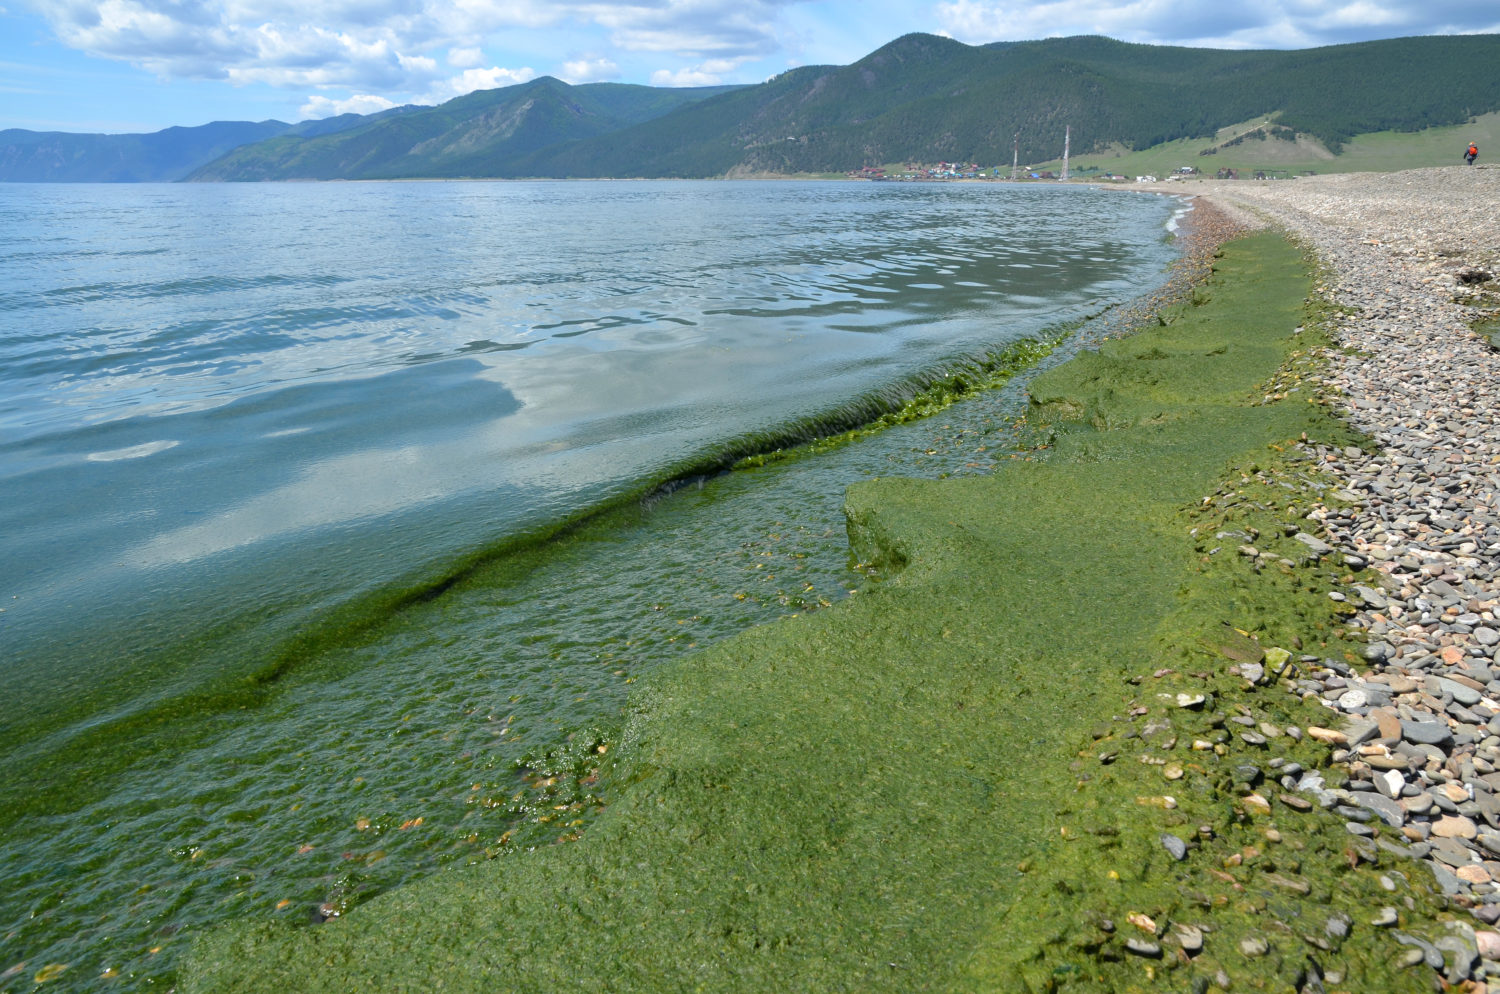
(1410, 263)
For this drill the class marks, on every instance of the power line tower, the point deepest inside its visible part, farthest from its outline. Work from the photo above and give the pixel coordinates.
(1067, 143)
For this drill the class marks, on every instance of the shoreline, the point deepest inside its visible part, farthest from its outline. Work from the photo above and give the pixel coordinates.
(1237, 752)
(1421, 516)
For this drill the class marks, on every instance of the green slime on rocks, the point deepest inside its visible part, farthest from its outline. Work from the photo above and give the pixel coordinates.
(904, 793)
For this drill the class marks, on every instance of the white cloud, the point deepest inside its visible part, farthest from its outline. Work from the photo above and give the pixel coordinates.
(319, 107)
(1176, 21)
(465, 58)
(710, 73)
(589, 70)
(693, 28)
(395, 47)
(476, 79)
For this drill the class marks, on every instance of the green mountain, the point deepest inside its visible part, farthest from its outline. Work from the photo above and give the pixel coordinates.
(61, 157)
(466, 136)
(159, 157)
(921, 98)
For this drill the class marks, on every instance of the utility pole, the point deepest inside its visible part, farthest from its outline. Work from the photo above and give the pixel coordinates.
(1015, 158)
(1067, 142)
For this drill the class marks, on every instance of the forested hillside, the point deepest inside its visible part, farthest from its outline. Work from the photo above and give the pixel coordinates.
(466, 136)
(924, 98)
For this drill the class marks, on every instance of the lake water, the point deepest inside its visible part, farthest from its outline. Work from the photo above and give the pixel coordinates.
(327, 510)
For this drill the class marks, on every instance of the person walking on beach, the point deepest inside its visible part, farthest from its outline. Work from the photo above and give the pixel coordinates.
(1471, 153)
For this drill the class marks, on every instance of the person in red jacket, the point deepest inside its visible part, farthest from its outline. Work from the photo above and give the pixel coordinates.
(1471, 153)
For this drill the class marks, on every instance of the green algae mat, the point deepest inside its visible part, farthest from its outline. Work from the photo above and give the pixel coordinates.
(928, 787)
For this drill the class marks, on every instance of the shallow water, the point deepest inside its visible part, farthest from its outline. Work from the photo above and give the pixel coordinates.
(284, 470)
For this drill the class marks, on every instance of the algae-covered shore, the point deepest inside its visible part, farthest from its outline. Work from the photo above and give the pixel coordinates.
(1068, 743)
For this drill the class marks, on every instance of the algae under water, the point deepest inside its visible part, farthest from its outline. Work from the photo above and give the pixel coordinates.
(422, 717)
(342, 768)
(879, 796)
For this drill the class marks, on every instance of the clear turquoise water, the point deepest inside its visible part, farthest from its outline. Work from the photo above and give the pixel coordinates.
(327, 508)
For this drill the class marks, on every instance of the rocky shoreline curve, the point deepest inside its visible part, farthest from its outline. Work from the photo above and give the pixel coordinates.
(1410, 260)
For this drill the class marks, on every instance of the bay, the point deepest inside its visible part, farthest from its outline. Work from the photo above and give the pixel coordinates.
(331, 512)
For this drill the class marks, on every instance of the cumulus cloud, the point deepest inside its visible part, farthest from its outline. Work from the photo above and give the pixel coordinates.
(465, 58)
(590, 69)
(693, 28)
(318, 107)
(476, 79)
(710, 73)
(393, 45)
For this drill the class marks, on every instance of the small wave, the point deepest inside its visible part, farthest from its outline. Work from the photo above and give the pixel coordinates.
(133, 451)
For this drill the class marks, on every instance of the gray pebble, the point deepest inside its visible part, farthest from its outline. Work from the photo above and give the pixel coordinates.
(1254, 946)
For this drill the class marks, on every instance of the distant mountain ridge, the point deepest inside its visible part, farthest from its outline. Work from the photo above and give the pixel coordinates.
(158, 157)
(921, 98)
(462, 137)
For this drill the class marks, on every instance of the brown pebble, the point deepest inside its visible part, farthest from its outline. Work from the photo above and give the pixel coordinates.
(1473, 873)
(1454, 827)
(1387, 722)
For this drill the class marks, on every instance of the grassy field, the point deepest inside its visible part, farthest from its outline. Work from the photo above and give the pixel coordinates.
(1386, 151)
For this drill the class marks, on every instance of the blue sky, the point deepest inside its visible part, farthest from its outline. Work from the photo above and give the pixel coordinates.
(142, 65)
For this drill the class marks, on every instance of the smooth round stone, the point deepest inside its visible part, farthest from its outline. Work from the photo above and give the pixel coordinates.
(1454, 827)
(1254, 946)
(1190, 937)
(1461, 694)
(1426, 732)
(1473, 873)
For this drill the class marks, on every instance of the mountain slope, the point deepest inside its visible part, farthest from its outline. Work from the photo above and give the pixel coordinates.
(163, 156)
(158, 157)
(925, 98)
(465, 136)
